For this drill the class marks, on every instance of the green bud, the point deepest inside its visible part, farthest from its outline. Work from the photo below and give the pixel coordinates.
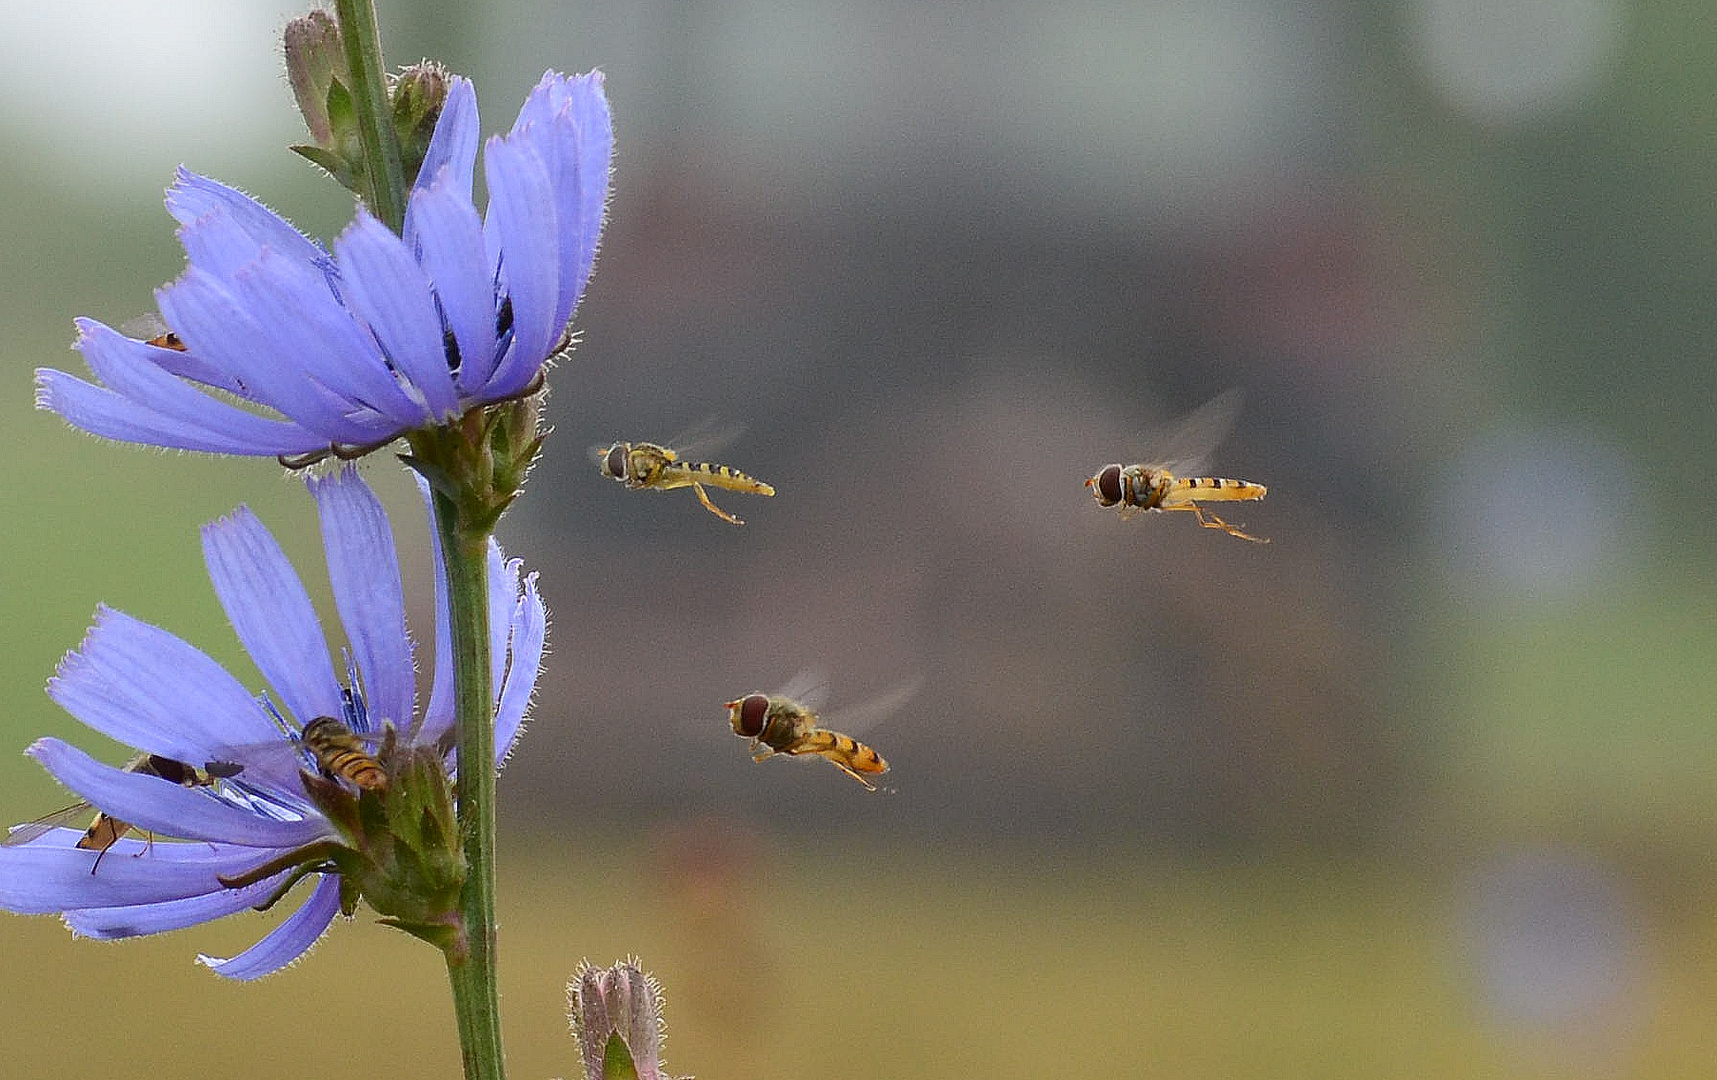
(418, 95)
(480, 462)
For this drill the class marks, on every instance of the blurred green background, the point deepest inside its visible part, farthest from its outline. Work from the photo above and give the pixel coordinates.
(1423, 788)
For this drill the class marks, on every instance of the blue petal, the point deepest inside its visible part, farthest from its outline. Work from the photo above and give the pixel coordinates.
(450, 250)
(156, 805)
(383, 285)
(288, 941)
(51, 875)
(438, 714)
(292, 302)
(193, 197)
(522, 215)
(181, 362)
(268, 607)
(136, 920)
(364, 569)
(529, 630)
(503, 595)
(570, 127)
(452, 154)
(595, 157)
(146, 688)
(205, 313)
(223, 430)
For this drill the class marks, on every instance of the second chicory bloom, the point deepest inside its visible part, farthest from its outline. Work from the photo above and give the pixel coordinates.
(385, 334)
(147, 688)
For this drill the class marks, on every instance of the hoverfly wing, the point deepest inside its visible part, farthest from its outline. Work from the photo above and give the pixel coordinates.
(704, 439)
(70, 817)
(859, 718)
(144, 327)
(1184, 446)
(809, 688)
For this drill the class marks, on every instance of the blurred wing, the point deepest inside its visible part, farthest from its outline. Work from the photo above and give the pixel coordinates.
(854, 720)
(809, 688)
(704, 438)
(1184, 447)
(143, 327)
(23, 834)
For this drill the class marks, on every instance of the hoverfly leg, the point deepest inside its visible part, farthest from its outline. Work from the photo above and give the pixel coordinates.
(703, 497)
(854, 773)
(1214, 522)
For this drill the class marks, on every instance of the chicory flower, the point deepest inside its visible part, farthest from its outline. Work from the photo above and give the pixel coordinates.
(346, 350)
(147, 688)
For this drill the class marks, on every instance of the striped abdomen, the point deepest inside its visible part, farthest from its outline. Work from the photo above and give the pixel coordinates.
(1187, 489)
(842, 750)
(682, 473)
(342, 754)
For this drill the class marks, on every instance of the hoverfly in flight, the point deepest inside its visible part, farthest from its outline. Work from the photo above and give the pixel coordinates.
(106, 830)
(651, 465)
(1170, 480)
(782, 724)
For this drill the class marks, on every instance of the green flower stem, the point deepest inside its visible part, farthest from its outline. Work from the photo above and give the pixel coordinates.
(386, 176)
(471, 966)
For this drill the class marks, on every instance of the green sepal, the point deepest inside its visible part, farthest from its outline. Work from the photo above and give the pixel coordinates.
(617, 1060)
(326, 160)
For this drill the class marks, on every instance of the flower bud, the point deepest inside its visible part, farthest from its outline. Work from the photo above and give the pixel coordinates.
(418, 94)
(617, 1022)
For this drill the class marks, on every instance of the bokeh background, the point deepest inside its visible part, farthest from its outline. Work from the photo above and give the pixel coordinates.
(1426, 787)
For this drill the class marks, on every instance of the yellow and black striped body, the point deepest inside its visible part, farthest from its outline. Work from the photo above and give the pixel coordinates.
(784, 726)
(648, 465)
(1135, 488)
(344, 755)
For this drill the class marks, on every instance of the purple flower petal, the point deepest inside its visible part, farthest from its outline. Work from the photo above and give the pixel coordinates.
(529, 630)
(364, 570)
(292, 302)
(222, 429)
(156, 805)
(567, 121)
(136, 920)
(146, 688)
(193, 198)
(383, 285)
(503, 595)
(438, 714)
(272, 614)
(452, 154)
(450, 250)
(288, 941)
(523, 220)
(50, 875)
(206, 314)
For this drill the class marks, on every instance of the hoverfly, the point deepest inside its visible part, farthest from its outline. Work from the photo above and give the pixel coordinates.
(651, 465)
(153, 330)
(781, 724)
(343, 754)
(1170, 481)
(106, 830)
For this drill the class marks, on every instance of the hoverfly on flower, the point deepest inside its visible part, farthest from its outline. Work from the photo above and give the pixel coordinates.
(106, 830)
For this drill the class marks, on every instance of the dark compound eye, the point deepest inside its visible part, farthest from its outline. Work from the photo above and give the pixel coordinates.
(174, 772)
(1109, 485)
(223, 770)
(753, 711)
(615, 464)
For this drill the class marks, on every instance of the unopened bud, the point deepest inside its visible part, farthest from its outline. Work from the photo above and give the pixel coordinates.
(617, 1021)
(418, 95)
